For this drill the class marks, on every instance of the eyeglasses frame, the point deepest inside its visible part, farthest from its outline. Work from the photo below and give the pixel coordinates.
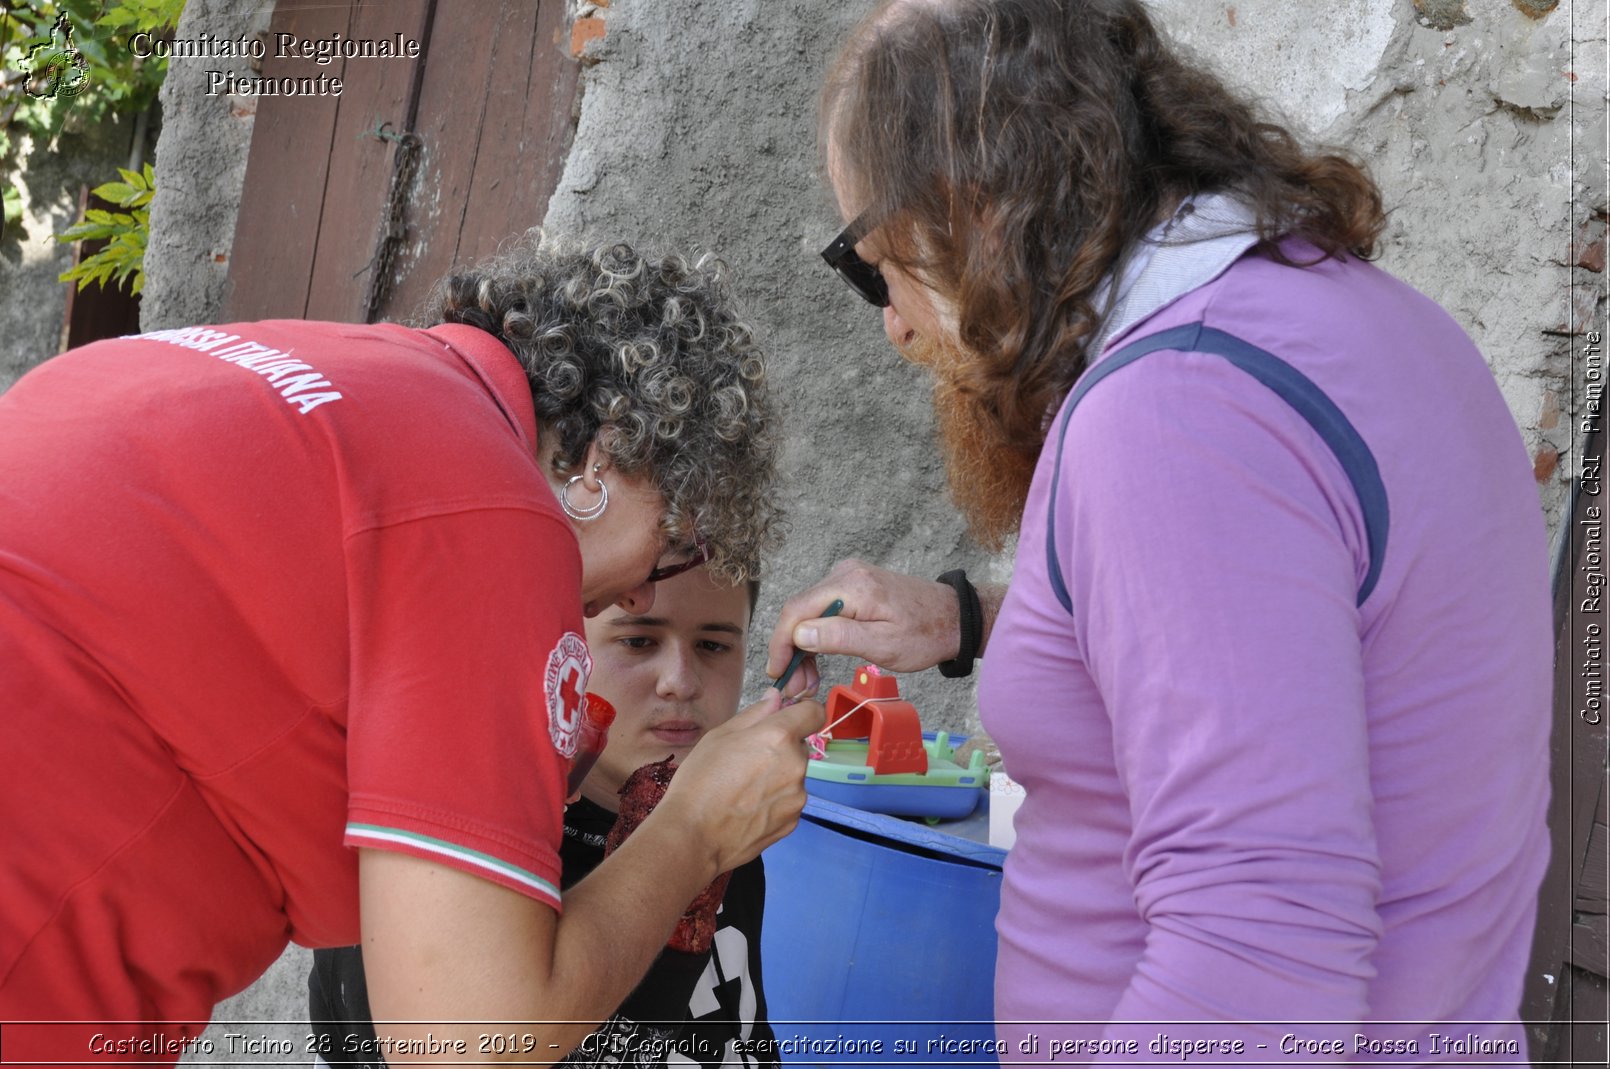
(867, 281)
(701, 555)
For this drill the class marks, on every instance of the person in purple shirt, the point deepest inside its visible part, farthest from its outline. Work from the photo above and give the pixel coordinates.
(1274, 663)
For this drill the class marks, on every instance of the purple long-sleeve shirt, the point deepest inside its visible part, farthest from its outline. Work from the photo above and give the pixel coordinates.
(1249, 797)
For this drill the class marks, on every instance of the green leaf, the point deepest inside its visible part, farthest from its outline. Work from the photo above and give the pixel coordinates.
(116, 263)
(116, 192)
(122, 195)
(119, 83)
(84, 232)
(130, 247)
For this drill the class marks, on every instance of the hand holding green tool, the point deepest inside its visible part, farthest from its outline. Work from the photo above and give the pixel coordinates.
(799, 655)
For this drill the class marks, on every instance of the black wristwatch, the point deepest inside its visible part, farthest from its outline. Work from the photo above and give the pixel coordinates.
(972, 626)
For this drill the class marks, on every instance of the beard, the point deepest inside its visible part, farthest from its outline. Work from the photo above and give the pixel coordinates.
(988, 475)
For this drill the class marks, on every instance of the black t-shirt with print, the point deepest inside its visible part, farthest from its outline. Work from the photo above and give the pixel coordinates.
(705, 1009)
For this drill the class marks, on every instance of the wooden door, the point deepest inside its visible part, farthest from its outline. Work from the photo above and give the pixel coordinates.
(355, 204)
(1566, 1002)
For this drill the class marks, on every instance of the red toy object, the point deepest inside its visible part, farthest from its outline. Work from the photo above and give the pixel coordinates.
(890, 726)
(640, 793)
(597, 715)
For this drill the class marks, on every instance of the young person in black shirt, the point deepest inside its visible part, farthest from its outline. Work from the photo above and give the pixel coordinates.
(671, 675)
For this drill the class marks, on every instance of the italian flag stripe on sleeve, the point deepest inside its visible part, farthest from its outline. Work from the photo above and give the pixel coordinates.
(362, 834)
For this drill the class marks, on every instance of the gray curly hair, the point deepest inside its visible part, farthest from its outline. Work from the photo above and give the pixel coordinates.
(647, 356)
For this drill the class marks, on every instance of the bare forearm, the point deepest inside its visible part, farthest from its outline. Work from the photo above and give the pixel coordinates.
(493, 956)
(442, 945)
(619, 918)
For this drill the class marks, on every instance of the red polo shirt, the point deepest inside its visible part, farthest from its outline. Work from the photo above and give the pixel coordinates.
(268, 591)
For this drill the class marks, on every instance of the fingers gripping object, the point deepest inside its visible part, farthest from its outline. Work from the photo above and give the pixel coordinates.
(640, 793)
(799, 655)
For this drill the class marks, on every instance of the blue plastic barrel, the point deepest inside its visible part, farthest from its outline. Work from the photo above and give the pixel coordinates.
(881, 930)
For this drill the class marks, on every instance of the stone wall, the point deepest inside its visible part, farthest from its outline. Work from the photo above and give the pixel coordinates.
(1483, 121)
(201, 165)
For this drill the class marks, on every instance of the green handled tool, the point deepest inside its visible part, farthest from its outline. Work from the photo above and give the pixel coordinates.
(799, 655)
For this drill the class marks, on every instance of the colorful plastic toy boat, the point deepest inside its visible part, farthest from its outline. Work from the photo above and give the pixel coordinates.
(879, 760)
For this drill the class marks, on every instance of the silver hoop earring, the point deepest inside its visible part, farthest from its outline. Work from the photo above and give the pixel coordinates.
(591, 513)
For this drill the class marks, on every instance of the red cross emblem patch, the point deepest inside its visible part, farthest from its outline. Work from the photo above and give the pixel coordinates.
(569, 665)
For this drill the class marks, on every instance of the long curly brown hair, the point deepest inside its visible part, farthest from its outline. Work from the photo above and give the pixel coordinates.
(1009, 152)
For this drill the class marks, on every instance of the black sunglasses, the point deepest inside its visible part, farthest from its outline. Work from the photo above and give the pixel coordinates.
(701, 553)
(859, 275)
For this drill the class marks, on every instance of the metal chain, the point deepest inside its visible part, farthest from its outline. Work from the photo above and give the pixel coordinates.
(393, 228)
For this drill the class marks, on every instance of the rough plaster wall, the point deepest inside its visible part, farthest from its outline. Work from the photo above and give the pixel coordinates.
(200, 165)
(32, 302)
(1304, 59)
(1468, 130)
(1470, 113)
(696, 130)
